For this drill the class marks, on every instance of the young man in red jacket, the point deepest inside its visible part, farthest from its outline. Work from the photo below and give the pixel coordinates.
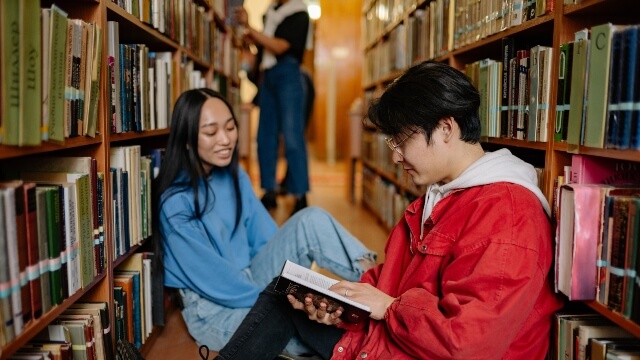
(467, 272)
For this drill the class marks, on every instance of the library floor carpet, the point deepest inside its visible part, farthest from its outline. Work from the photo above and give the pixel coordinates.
(330, 190)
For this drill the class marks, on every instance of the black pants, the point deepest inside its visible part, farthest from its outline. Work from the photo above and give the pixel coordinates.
(269, 326)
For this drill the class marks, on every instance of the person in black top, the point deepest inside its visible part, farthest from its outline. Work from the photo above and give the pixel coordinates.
(282, 96)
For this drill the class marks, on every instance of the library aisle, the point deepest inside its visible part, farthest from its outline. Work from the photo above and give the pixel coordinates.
(330, 191)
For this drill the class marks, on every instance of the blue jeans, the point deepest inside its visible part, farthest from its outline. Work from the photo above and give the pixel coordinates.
(309, 235)
(270, 325)
(282, 111)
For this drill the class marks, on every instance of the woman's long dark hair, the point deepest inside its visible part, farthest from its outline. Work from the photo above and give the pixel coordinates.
(181, 156)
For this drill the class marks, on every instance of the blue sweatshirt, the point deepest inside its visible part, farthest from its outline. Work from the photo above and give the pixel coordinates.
(205, 255)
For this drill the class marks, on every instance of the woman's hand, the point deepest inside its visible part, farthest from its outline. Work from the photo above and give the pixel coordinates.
(319, 313)
(365, 294)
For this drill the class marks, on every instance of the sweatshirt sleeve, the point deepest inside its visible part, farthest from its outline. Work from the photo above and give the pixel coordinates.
(195, 259)
(259, 224)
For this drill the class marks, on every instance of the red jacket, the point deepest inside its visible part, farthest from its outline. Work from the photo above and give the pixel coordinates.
(475, 287)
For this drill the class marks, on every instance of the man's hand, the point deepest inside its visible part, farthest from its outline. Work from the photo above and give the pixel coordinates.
(365, 294)
(319, 313)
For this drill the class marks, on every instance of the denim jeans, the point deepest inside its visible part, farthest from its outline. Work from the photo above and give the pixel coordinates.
(311, 235)
(269, 326)
(282, 111)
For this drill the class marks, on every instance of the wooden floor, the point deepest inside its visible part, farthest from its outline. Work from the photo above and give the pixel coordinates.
(329, 190)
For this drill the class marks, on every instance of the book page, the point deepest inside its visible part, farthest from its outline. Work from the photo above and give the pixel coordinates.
(308, 275)
(316, 281)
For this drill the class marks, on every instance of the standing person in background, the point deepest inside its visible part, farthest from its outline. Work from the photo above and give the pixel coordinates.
(468, 268)
(282, 96)
(219, 245)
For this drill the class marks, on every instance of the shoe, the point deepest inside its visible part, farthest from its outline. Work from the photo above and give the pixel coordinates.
(269, 200)
(281, 189)
(301, 203)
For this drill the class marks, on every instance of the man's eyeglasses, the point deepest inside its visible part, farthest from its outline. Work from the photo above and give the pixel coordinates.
(396, 147)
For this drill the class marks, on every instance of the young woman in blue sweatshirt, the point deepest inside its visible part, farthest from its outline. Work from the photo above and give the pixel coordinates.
(220, 245)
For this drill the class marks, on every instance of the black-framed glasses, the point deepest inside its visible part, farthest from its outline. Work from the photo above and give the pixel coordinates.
(396, 147)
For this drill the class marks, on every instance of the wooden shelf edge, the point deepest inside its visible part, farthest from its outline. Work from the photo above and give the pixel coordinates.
(621, 321)
(40, 324)
(8, 152)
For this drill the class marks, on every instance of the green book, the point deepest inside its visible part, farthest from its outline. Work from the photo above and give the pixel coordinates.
(578, 87)
(30, 73)
(57, 64)
(10, 72)
(43, 248)
(95, 81)
(598, 86)
(54, 233)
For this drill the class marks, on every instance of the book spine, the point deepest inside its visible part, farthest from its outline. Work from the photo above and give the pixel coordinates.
(33, 253)
(618, 248)
(53, 233)
(613, 116)
(628, 78)
(10, 67)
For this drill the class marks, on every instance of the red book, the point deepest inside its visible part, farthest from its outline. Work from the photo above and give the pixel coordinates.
(596, 170)
(33, 256)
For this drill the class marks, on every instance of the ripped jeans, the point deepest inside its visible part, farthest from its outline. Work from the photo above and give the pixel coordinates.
(311, 235)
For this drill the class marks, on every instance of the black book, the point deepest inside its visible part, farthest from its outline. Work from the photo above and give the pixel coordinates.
(302, 282)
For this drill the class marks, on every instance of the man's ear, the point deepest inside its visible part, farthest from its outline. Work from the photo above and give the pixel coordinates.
(448, 127)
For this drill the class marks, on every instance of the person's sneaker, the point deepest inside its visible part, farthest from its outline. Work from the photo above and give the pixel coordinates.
(269, 200)
(301, 203)
(281, 189)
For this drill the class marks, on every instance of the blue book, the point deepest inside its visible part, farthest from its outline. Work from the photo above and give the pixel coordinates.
(634, 131)
(115, 193)
(124, 188)
(137, 305)
(627, 59)
(615, 79)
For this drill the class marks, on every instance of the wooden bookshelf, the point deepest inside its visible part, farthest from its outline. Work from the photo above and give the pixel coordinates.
(550, 29)
(132, 30)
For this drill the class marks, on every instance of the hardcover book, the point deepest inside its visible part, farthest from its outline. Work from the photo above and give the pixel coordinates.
(579, 230)
(595, 170)
(302, 282)
(100, 310)
(599, 88)
(579, 66)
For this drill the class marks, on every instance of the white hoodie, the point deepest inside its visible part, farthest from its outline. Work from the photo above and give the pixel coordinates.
(493, 167)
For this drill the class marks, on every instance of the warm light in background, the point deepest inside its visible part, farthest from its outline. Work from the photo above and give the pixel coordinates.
(313, 7)
(314, 11)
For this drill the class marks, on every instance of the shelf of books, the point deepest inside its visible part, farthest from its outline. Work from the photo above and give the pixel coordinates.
(85, 103)
(559, 87)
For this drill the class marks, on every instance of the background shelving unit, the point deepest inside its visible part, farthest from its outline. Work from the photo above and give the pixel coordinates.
(216, 68)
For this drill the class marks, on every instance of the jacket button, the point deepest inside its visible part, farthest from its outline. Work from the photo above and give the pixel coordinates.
(363, 355)
(340, 349)
(423, 248)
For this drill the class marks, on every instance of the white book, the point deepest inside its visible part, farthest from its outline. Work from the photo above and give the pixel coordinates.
(113, 63)
(152, 98)
(11, 236)
(72, 251)
(544, 89)
(516, 12)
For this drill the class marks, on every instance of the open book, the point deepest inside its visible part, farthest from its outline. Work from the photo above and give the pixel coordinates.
(302, 282)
